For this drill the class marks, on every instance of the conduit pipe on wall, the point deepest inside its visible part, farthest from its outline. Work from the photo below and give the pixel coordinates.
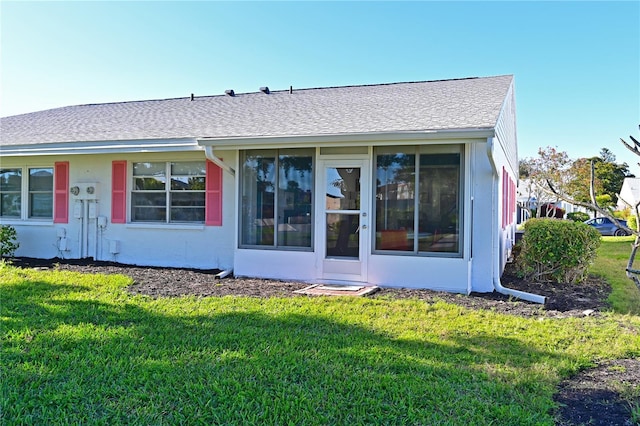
(208, 152)
(495, 240)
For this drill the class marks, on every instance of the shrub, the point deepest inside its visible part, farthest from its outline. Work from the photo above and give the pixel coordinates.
(557, 250)
(8, 241)
(622, 214)
(577, 216)
(633, 222)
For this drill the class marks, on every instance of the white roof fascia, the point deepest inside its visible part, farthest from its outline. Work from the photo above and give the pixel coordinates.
(101, 147)
(353, 139)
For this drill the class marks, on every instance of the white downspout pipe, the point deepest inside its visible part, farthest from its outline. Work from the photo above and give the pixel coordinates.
(495, 240)
(208, 152)
(223, 274)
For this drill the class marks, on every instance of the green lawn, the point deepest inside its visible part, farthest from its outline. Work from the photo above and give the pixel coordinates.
(611, 262)
(77, 349)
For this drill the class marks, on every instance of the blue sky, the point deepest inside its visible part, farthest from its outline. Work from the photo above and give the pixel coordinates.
(576, 64)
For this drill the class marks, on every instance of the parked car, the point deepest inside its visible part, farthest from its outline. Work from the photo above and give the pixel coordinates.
(606, 226)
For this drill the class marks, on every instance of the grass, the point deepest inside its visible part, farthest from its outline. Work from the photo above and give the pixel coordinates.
(77, 349)
(611, 262)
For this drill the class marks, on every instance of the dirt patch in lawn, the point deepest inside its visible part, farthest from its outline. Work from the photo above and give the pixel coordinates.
(603, 395)
(591, 397)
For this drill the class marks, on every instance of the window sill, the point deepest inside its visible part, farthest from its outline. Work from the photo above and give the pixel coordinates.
(28, 222)
(279, 248)
(172, 226)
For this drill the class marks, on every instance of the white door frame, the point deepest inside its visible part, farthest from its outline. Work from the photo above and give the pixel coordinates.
(347, 269)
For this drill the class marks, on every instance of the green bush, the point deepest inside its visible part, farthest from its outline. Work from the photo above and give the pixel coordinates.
(557, 250)
(577, 216)
(8, 241)
(632, 222)
(622, 214)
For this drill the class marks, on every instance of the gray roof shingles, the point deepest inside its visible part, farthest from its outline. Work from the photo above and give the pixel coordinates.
(472, 103)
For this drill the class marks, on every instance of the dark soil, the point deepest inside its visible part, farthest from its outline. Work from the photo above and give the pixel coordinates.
(591, 397)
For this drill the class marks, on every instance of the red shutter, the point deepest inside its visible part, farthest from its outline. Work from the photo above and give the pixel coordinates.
(514, 197)
(504, 197)
(119, 192)
(213, 195)
(61, 192)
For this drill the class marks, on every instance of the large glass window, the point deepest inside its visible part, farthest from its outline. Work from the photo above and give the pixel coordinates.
(168, 192)
(38, 193)
(276, 198)
(395, 200)
(418, 193)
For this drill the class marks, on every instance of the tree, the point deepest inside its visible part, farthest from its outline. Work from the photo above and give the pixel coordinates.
(634, 274)
(607, 156)
(593, 204)
(609, 176)
(550, 165)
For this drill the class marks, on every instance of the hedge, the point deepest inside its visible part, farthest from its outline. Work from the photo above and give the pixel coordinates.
(557, 250)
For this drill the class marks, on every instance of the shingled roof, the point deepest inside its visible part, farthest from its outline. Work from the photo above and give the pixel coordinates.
(461, 104)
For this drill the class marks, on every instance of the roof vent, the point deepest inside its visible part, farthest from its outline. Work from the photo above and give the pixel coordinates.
(265, 90)
(230, 92)
(192, 96)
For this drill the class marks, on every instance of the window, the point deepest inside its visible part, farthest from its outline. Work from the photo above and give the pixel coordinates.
(418, 198)
(32, 199)
(277, 194)
(10, 192)
(168, 192)
(41, 193)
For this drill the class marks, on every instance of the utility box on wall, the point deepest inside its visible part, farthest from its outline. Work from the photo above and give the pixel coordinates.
(85, 191)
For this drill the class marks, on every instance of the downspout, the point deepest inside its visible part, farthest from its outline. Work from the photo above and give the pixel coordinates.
(208, 152)
(495, 241)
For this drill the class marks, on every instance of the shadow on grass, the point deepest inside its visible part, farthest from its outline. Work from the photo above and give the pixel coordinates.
(101, 361)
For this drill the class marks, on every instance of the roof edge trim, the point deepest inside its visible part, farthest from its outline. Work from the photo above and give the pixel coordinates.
(353, 138)
(101, 147)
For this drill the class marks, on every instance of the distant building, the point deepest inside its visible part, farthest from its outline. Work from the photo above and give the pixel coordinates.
(630, 193)
(527, 201)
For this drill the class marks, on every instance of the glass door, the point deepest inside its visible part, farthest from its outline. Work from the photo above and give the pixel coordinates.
(344, 227)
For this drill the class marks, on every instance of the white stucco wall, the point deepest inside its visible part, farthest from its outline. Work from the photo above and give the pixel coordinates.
(196, 246)
(482, 220)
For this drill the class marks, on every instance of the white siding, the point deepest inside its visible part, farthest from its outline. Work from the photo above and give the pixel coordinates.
(506, 131)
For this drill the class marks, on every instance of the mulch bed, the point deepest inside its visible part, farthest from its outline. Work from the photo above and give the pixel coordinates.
(587, 398)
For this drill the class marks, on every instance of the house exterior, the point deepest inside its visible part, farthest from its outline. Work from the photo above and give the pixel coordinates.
(404, 184)
(629, 193)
